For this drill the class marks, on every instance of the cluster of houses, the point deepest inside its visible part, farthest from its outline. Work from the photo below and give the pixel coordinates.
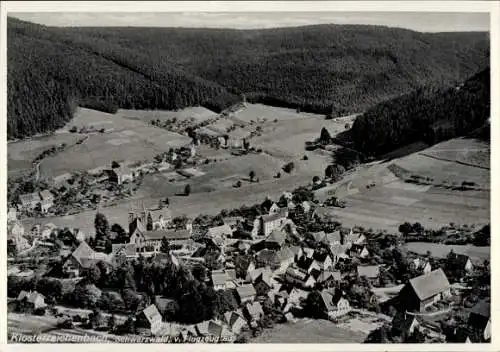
(276, 270)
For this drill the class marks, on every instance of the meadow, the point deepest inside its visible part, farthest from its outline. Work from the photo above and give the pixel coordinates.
(309, 331)
(375, 197)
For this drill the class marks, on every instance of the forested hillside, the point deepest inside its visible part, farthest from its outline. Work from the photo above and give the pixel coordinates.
(428, 114)
(326, 69)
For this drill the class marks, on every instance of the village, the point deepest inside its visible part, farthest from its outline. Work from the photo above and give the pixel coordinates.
(228, 278)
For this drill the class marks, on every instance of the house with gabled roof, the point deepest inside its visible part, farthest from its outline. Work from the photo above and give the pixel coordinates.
(268, 223)
(354, 238)
(421, 264)
(300, 277)
(334, 305)
(480, 318)
(338, 252)
(29, 201)
(218, 232)
(359, 250)
(264, 283)
(317, 237)
(245, 293)
(404, 324)
(83, 257)
(235, 321)
(121, 174)
(29, 301)
(332, 238)
(461, 262)
(47, 200)
(219, 279)
(253, 312)
(424, 291)
(149, 318)
(329, 278)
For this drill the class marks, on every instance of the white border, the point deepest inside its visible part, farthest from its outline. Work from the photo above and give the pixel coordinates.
(262, 6)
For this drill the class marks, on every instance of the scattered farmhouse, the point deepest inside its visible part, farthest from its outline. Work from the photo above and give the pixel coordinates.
(424, 291)
(82, 258)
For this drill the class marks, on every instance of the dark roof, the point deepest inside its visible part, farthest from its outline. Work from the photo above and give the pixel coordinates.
(460, 260)
(482, 308)
(430, 284)
(402, 321)
(326, 275)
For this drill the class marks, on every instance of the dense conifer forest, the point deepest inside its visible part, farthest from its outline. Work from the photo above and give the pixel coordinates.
(427, 114)
(330, 69)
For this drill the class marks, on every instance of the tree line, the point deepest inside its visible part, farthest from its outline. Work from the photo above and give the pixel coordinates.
(333, 70)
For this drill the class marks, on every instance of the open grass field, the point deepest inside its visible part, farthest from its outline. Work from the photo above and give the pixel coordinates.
(30, 324)
(196, 114)
(309, 331)
(452, 162)
(20, 154)
(259, 112)
(126, 140)
(442, 250)
(465, 150)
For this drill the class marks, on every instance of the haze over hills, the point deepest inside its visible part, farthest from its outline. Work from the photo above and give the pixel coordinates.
(336, 69)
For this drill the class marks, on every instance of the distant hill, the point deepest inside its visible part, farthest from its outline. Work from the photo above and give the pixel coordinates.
(428, 114)
(336, 69)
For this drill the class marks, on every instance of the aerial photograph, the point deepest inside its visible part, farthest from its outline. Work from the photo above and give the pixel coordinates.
(248, 177)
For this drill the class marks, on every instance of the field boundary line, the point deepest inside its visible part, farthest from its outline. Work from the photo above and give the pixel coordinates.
(455, 161)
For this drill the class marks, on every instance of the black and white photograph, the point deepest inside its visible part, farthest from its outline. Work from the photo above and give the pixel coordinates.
(251, 177)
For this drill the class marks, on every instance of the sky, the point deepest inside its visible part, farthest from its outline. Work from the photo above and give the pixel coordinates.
(418, 21)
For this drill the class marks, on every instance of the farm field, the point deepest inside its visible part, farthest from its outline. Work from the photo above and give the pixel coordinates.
(309, 331)
(20, 154)
(440, 162)
(441, 250)
(126, 140)
(466, 150)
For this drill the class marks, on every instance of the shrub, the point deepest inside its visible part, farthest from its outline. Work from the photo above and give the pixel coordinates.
(289, 167)
(73, 129)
